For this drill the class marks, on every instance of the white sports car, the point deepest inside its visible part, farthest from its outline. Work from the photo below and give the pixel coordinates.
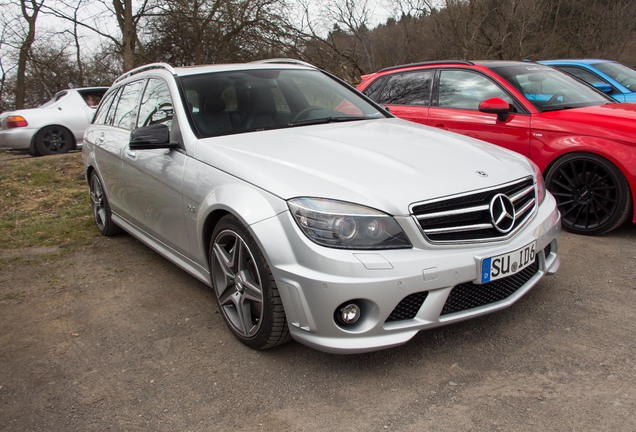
(55, 127)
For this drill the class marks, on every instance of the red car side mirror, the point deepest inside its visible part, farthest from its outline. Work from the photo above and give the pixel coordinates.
(496, 106)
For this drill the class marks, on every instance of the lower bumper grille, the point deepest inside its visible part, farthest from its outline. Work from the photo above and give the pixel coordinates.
(469, 295)
(408, 307)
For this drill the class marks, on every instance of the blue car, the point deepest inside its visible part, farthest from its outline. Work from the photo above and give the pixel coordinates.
(613, 78)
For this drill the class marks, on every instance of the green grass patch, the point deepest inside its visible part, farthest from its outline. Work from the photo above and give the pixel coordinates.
(44, 202)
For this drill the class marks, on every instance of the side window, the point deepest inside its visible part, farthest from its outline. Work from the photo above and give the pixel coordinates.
(127, 106)
(100, 116)
(156, 105)
(465, 90)
(373, 90)
(111, 111)
(582, 74)
(411, 88)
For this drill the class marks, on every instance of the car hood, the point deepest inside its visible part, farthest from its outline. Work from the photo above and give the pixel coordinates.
(385, 164)
(616, 121)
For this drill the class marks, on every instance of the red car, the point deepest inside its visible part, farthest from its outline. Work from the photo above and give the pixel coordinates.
(582, 140)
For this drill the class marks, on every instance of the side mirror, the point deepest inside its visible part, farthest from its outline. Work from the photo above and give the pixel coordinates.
(604, 87)
(496, 106)
(151, 137)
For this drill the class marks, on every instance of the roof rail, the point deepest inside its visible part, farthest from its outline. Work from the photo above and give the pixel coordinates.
(427, 63)
(149, 66)
(285, 61)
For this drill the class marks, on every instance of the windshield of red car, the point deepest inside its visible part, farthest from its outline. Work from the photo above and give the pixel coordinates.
(551, 90)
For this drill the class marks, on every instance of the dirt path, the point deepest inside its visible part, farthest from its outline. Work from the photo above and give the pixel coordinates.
(113, 337)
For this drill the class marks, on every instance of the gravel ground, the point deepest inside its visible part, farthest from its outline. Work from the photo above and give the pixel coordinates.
(114, 337)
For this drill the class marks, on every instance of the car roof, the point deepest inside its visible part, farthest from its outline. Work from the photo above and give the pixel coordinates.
(484, 63)
(576, 61)
(193, 70)
(199, 69)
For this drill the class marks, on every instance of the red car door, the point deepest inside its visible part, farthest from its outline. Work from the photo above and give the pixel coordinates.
(459, 93)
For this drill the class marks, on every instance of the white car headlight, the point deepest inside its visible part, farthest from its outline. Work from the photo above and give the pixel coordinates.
(539, 182)
(344, 225)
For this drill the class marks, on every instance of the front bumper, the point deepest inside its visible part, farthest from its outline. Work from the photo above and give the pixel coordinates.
(400, 291)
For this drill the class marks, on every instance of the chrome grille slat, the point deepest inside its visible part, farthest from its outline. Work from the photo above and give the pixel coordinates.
(525, 208)
(521, 194)
(466, 218)
(458, 229)
(452, 212)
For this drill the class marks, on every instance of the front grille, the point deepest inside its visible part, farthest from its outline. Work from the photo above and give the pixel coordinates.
(469, 295)
(408, 307)
(467, 217)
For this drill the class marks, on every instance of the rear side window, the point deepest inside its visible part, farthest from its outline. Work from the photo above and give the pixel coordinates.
(411, 88)
(126, 111)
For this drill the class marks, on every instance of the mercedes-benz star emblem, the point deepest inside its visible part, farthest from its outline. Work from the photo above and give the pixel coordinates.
(502, 213)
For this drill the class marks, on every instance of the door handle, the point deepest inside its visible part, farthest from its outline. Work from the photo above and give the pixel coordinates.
(441, 126)
(130, 153)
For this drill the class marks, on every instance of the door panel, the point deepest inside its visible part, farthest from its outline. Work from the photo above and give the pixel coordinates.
(513, 134)
(154, 177)
(456, 108)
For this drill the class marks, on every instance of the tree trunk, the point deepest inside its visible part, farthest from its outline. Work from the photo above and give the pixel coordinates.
(25, 49)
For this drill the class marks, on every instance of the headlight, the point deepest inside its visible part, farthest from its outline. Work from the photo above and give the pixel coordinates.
(340, 224)
(540, 183)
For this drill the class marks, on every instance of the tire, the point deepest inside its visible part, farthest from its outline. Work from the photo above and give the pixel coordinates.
(245, 288)
(101, 210)
(592, 194)
(53, 140)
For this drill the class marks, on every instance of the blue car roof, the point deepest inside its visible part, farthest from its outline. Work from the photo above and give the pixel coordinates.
(576, 61)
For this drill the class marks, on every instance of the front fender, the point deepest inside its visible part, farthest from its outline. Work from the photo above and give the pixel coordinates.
(246, 202)
(547, 149)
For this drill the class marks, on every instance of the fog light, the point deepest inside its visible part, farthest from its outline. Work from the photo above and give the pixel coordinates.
(349, 314)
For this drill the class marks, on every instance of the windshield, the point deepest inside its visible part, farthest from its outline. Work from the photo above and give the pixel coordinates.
(224, 103)
(551, 90)
(621, 73)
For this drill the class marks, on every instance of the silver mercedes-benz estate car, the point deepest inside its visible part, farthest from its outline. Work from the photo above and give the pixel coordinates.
(313, 213)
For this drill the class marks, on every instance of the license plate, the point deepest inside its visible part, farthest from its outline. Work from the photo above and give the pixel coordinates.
(507, 264)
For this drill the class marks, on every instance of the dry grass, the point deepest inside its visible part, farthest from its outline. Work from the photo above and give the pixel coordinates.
(44, 202)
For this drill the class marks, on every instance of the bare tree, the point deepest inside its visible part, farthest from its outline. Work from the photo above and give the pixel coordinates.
(212, 31)
(127, 16)
(347, 49)
(30, 10)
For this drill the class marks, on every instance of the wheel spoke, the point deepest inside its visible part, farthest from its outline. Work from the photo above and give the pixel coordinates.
(225, 260)
(252, 291)
(571, 181)
(566, 187)
(228, 297)
(236, 282)
(244, 311)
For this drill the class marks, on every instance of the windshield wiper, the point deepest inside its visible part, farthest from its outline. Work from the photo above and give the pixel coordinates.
(560, 108)
(323, 120)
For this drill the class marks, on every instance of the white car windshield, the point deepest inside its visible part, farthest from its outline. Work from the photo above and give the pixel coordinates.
(224, 103)
(550, 90)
